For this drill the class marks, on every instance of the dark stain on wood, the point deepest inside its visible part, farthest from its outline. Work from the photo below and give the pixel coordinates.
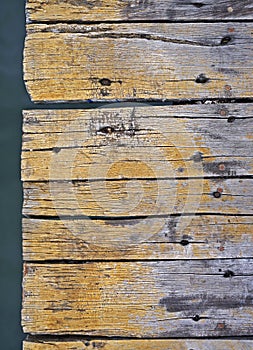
(228, 273)
(90, 4)
(123, 223)
(200, 303)
(202, 79)
(227, 168)
(197, 156)
(171, 228)
(117, 130)
(98, 344)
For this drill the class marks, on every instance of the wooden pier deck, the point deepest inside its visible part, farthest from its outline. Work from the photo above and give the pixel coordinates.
(138, 217)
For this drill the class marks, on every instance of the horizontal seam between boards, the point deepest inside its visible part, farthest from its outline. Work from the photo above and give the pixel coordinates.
(89, 261)
(115, 218)
(73, 337)
(132, 21)
(159, 102)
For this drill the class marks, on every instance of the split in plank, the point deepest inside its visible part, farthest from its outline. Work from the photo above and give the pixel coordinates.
(132, 10)
(67, 62)
(140, 299)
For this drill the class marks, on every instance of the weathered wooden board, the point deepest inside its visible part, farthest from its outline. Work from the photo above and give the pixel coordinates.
(138, 142)
(131, 10)
(205, 236)
(124, 198)
(157, 61)
(140, 299)
(164, 344)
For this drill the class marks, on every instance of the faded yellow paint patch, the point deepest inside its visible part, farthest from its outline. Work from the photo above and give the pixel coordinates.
(106, 286)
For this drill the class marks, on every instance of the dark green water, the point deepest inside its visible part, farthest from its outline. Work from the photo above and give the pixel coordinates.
(13, 100)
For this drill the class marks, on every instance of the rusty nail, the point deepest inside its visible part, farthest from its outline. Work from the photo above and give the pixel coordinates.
(222, 167)
(220, 325)
(228, 87)
(223, 112)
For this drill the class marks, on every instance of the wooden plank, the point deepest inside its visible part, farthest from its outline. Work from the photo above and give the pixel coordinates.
(138, 142)
(131, 10)
(131, 198)
(67, 62)
(198, 237)
(163, 344)
(140, 299)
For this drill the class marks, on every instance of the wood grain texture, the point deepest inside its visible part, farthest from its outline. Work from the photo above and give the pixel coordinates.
(131, 10)
(198, 237)
(67, 62)
(143, 164)
(164, 344)
(133, 198)
(140, 299)
(120, 204)
(138, 142)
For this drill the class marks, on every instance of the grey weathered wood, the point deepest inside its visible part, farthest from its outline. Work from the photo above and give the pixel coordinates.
(131, 10)
(196, 140)
(151, 61)
(140, 299)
